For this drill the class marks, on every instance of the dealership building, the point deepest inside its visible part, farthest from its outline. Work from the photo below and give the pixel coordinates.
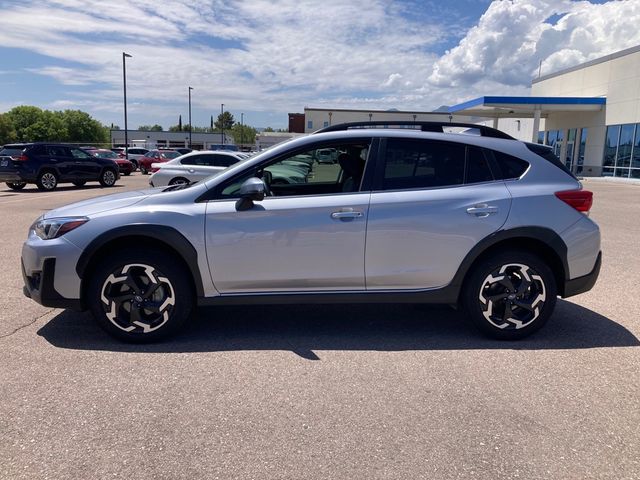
(589, 114)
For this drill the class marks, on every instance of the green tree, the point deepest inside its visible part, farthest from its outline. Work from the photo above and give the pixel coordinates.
(7, 130)
(82, 128)
(243, 134)
(48, 126)
(225, 120)
(150, 128)
(268, 129)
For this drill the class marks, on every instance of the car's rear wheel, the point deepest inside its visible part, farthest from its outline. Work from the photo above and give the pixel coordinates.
(510, 295)
(178, 181)
(140, 295)
(79, 183)
(16, 185)
(143, 170)
(107, 178)
(47, 180)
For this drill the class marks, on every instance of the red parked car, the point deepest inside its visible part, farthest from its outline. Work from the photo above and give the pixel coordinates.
(156, 156)
(124, 165)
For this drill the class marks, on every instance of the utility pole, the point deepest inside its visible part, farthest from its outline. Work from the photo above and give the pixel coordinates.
(222, 120)
(124, 82)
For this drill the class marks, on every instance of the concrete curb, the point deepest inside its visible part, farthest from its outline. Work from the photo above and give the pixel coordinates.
(626, 181)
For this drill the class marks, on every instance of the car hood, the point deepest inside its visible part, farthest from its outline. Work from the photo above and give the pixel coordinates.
(97, 205)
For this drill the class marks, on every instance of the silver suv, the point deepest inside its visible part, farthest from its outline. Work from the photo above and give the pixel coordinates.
(415, 214)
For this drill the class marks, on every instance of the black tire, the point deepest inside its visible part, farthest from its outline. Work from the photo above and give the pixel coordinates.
(47, 180)
(79, 183)
(178, 181)
(16, 185)
(135, 164)
(126, 174)
(123, 279)
(510, 295)
(143, 170)
(108, 178)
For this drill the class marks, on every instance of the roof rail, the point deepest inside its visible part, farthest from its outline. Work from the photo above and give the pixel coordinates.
(438, 127)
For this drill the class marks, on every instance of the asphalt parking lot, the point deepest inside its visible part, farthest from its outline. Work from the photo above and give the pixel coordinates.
(342, 391)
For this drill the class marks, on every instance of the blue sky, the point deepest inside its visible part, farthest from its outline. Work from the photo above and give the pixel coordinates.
(267, 58)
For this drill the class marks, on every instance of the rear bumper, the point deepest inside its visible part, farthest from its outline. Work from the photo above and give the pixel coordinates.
(40, 288)
(584, 283)
(11, 177)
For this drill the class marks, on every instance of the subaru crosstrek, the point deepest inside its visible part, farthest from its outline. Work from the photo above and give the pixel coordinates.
(415, 214)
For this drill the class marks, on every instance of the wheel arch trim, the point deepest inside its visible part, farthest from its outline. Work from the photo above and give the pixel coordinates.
(163, 234)
(542, 235)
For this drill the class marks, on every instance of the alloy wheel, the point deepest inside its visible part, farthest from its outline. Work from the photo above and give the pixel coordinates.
(512, 296)
(48, 181)
(138, 298)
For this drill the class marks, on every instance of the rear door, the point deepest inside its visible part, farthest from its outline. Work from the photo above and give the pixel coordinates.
(432, 202)
(85, 166)
(59, 157)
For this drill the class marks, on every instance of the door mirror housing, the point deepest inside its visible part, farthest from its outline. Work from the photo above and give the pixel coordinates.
(252, 190)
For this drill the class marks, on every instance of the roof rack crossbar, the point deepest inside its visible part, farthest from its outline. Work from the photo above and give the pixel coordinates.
(424, 126)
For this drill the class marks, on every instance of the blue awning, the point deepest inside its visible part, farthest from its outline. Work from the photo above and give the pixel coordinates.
(527, 106)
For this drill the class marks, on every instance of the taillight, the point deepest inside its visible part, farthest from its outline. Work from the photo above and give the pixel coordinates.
(21, 158)
(581, 200)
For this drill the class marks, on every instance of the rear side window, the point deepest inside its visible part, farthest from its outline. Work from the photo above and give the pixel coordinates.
(57, 151)
(510, 167)
(224, 160)
(423, 163)
(547, 153)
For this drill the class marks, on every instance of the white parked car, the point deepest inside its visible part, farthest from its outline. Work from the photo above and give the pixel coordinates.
(192, 167)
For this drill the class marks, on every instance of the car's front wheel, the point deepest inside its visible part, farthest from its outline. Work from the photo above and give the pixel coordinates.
(510, 294)
(16, 185)
(140, 295)
(178, 181)
(143, 170)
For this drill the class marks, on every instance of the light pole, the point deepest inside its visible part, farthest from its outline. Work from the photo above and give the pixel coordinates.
(222, 121)
(124, 83)
(190, 126)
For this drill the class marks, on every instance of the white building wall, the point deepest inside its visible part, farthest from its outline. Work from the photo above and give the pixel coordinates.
(321, 118)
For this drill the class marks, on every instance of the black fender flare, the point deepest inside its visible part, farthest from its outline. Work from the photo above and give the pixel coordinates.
(162, 233)
(544, 235)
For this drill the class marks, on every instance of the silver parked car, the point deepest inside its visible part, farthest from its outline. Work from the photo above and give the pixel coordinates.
(191, 167)
(485, 221)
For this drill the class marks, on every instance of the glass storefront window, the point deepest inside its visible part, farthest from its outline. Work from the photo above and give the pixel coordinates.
(635, 160)
(611, 146)
(624, 146)
(581, 148)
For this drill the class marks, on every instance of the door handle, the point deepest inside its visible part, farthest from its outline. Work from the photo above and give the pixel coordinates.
(482, 210)
(346, 214)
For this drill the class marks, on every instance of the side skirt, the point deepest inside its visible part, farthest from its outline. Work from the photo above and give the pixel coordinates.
(445, 295)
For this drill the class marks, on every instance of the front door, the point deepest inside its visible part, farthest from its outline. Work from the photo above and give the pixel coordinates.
(288, 244)
(309, 236)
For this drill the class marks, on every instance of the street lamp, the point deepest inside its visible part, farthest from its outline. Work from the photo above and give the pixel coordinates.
(190, 126)
(222, 121)
(124, 82)
(241, 129)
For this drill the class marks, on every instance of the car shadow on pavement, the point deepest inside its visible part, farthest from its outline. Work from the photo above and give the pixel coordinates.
(304, 329)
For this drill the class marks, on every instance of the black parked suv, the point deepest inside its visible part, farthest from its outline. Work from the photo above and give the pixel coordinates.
(48, 164)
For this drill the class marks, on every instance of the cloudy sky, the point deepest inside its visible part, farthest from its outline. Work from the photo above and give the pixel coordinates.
(266, 58)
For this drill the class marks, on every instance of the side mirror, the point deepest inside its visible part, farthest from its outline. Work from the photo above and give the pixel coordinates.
(252, 190)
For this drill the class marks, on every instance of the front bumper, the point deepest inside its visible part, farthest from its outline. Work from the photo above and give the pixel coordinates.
(584, 283)
(39, 287)
(48, 270)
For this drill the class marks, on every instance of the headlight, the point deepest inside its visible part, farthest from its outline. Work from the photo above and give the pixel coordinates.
(50, 228)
